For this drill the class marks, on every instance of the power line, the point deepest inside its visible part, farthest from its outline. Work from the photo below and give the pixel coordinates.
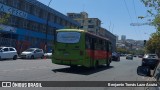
(136, 19)
(135, 10)
(49, 2)
(127, 10)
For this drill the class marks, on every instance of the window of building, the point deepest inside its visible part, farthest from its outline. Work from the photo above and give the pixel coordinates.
(36, 11)
(14, 3)
(43, 14)
(23, 23)
(27, 7)
(71, 16)
(78, 15)
(51, 17)
(32, 9)
(55, 19)
(89, 21)
(63, 22)
(43, 28)
(58, 20)
(49, 30)
(35, 26)
(13, 21)
(3, 1)
(90, 26)
(68, 24)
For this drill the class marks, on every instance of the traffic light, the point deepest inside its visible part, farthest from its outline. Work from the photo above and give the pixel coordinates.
(144, 42)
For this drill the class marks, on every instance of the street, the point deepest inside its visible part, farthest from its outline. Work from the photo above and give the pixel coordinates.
(44, 70)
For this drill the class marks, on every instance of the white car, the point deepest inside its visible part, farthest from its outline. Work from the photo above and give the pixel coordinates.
(8, 53)
(32, 53)
(48, 55)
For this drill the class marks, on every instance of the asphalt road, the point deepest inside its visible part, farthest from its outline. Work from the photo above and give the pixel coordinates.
(44, 70)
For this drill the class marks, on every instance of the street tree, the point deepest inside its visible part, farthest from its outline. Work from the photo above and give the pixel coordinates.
(153, 44)
(4, 19)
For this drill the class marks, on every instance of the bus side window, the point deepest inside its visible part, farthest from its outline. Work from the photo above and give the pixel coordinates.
(104, 45)
(96, 44)
(92, 43)
(88, 41)
(110, 47)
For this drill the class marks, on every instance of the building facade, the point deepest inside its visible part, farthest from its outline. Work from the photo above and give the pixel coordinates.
(112, 38)
(123, 37)
(93, 25)
(89, 24)
(117, 38)
(30, 24)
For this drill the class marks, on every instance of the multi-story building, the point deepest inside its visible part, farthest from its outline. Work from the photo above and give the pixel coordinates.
(123, 37)
(117, 38)
(112, 38)
(90, 24)
(93, 25)
(30, 24)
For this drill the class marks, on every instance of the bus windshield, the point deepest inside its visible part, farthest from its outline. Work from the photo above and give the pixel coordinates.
(68, 37)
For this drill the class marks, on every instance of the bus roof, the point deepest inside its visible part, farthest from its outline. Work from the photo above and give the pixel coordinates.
(80, 30)
(77, 30)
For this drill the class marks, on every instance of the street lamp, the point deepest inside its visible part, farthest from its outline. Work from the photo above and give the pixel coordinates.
(48, 15)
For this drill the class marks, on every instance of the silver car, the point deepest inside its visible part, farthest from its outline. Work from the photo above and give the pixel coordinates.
(32, 53)
(8, 53)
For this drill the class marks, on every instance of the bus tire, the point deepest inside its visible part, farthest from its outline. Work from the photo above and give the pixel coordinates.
(73, 66)
(15, 57)
(96, 65)
(108, 62)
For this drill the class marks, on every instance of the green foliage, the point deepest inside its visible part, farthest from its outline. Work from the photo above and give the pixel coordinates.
(125, 51)
(4, 18)
(121, 50)
(153, 10)
(153, 44)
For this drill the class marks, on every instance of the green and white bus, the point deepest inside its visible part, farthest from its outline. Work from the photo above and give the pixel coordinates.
(75, 47)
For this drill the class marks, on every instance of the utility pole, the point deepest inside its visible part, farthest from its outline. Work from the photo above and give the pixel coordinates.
(48, 15)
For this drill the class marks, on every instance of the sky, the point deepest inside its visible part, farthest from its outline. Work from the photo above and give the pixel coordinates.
(115, 15)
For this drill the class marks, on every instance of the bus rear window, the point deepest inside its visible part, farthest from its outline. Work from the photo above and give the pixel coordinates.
(68, 37)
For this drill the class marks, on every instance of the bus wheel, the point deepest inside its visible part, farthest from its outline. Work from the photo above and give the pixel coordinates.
(73, 66)
(96, 65)
(108, 63)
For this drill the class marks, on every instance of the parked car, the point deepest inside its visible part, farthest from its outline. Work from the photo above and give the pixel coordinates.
(134, 55)
(140, 56)
(151, 75)
(48, 55)
(129, 56)
(115, 56)
(8, 53)
(32, 53)
(150, 60)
